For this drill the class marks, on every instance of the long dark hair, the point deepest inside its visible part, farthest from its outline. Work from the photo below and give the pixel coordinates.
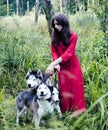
(64, 34)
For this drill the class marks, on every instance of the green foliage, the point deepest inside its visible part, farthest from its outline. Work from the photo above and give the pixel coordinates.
(71, 6)
(101, 10)
(21, 49)
(24, 45)
(3, 10)
(12, 7)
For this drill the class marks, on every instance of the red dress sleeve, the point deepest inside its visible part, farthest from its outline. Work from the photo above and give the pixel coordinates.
(71, 48)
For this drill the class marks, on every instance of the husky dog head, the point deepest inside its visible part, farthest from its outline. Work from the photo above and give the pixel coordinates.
(33, 78)
(55, 93)
(44, 92)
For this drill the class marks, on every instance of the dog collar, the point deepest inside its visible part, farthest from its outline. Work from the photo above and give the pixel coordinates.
(49, 99)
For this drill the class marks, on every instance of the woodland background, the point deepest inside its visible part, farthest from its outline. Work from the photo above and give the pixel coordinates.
(25, 29)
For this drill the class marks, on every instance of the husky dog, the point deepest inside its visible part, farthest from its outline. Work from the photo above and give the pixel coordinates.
(25, 100)
(41, 98)
(44, 101)
(34, 78)
(56, 99)
(39, 103)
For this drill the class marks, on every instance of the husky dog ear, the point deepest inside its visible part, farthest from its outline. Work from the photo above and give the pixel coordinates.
(56, 85)
(29, 71)
(51, 88)
(48, 82)
(40, 74)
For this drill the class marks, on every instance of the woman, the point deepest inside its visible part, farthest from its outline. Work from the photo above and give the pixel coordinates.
(65, 61)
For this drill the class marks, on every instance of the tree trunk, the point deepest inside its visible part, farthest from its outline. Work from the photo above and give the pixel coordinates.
(36, 10)
(105, 19)
(17, 10)
(49, 12)
(23, 10)
(20, 7)
(85, 5)
(63, 6)
(93, 2)
(27, 7)
(7, 7)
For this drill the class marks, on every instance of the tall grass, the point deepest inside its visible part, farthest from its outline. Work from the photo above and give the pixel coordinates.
(24, 45)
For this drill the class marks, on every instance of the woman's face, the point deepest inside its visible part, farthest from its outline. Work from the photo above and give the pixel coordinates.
(57, 26)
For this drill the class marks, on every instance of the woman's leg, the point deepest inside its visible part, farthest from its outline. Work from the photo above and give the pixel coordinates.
(77, 112)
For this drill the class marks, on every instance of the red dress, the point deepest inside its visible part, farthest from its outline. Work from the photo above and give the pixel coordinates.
(70, 77)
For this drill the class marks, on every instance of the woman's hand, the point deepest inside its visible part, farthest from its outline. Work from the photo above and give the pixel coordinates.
(50, 69)
(57, 68)
(54, 65)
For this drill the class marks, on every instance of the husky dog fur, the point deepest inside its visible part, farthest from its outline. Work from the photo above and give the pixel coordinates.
(33, 78)
(26, 99)
(41, 98)
(56, 99)
(39, 103)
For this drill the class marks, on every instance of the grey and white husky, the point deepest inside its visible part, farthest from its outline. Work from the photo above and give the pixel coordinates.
(41, 98)
(39, 102)
(56, 99)
(34, 78)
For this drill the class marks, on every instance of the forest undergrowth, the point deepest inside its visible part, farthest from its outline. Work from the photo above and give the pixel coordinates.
(24, 45)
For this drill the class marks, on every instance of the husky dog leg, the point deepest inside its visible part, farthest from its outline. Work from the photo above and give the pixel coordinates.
(57, 107)
(19, 113)
(55, 98)
(20, 106)
(44, 101)
(37, 121)
(25, 101)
